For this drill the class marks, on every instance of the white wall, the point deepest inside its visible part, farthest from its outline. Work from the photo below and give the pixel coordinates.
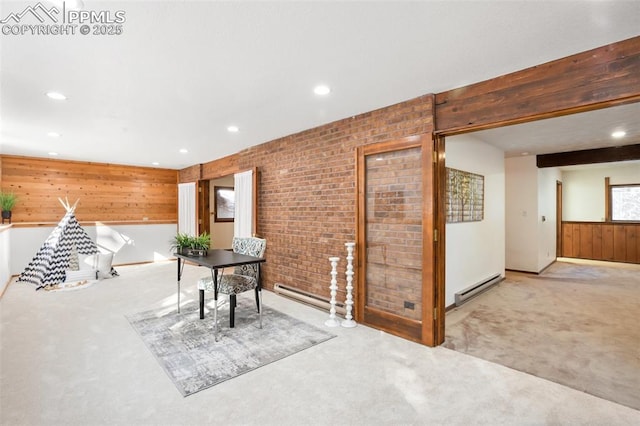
(547, 184)
(5, 250)
(476, 250)
(129, 243)
(521, 213)
(530, 195)
(583, 189)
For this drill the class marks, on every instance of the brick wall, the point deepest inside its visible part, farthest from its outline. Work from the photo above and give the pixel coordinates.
(306, 199)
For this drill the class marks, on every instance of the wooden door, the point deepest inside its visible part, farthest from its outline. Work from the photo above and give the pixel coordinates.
(395, 238)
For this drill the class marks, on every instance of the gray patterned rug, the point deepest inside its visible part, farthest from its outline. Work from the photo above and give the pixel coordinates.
(185, 347)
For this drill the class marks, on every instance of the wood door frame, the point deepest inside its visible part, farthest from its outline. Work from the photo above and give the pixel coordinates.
(207, 182)
(203, 207)
(429, 327)
(558, 219)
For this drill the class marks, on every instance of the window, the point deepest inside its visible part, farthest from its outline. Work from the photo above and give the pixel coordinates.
(625, 202)
(224, 207)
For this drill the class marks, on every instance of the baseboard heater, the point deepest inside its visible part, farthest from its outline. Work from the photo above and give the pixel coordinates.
(307, 298)
(476, 289)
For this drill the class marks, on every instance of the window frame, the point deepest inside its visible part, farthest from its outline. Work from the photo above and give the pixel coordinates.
(609, 201)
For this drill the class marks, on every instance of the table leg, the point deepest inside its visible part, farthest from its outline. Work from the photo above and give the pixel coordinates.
(259, 297)
(179, 276)
(214, 275)
(201, 303)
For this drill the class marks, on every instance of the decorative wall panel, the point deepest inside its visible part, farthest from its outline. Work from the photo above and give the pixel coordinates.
(464, 197)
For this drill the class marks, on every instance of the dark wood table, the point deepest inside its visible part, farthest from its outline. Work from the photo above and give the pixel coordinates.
(216, 260)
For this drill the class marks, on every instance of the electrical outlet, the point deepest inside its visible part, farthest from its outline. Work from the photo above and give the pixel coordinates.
(409, 305)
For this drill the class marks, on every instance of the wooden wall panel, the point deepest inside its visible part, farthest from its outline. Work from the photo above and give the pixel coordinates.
(597, 242)
(608, 241)
(190, 174)
(637, 245)
(586, 240)
(567, 241)
(631, 249)
(619, 243)
(576, 239)
(221, 167)
(107, 192)
(603, 76)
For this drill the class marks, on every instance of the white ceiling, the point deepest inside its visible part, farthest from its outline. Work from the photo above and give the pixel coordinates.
(586, 130)
(182, 71)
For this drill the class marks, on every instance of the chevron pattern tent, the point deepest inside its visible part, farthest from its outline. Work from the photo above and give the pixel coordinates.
(50, 263)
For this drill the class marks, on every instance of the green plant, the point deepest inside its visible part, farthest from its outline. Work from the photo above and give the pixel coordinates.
(201, 242)
(7, 201)
(180, 241)
(185, 241)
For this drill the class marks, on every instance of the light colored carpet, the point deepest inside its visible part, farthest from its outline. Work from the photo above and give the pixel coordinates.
(575, 324)
(186, 348)
(72, 358)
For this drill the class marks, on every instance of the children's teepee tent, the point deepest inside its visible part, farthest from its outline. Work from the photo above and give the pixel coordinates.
(51, 262)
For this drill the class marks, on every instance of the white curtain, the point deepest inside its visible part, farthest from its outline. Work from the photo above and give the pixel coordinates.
(187, 208)
(243, 221)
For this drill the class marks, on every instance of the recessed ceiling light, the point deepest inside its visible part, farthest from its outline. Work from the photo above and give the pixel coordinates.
(53, 135)
(618, 134)
(321, 90)
(53, 154)
(524, 153)
(155, 163)
(183, 151)
(57, 96)
(232, 129)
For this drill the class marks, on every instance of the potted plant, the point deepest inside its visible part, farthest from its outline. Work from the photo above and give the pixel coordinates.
(7, 201)
(190, 245)
(180, 243)
(200, 244)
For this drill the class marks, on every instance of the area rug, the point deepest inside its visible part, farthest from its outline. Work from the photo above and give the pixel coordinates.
(185, 347)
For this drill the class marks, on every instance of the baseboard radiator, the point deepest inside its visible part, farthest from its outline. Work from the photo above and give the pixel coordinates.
(476, 289)
(307, 298)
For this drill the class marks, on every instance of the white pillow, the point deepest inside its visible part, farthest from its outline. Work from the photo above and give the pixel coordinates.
(81, 275)
(104, 265)
(100, 262)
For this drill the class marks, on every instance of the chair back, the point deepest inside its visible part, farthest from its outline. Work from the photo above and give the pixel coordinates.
(251, 247)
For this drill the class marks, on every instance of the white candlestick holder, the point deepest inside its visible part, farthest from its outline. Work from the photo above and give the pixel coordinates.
(332, 321)
(349, 322)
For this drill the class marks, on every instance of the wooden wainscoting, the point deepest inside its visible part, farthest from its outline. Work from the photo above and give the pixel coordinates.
(618, 242)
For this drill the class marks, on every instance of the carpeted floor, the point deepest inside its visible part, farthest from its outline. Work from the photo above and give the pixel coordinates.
(72, 358)
(575, 324)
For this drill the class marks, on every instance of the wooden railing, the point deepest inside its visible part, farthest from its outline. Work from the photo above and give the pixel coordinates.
(618, 242)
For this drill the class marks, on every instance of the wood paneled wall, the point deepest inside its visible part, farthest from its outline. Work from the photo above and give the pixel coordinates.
(618, 242)
(107, 192)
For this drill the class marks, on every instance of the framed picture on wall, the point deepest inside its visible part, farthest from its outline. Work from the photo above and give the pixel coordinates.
(225, 203)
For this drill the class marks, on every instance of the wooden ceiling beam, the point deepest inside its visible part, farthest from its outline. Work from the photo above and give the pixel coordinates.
(589, 156)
